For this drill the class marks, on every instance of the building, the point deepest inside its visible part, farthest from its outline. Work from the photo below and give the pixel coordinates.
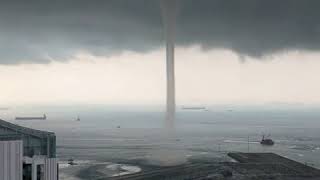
(27, 154)
(11, 159)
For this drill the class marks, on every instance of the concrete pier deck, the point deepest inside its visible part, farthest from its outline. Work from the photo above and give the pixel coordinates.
(249, 166)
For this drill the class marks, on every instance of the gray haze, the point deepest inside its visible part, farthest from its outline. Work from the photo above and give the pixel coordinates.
(39, 31)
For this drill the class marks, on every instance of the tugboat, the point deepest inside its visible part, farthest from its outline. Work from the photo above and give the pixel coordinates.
(266, 141)
(71, 162)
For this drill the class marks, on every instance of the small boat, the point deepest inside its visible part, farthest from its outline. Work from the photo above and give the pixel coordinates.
(266, 141)
(78, 119)
(71, 162)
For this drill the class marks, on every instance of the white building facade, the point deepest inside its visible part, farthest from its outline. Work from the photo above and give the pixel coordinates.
(11, 160)
(12, 163)
(27, 154)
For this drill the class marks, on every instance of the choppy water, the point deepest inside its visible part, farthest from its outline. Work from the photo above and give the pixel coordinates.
(97, 137)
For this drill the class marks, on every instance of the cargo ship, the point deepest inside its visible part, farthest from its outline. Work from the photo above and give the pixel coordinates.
(193, 108)
(44, 117)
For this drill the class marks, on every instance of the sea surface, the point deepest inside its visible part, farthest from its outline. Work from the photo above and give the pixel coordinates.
(117, 140)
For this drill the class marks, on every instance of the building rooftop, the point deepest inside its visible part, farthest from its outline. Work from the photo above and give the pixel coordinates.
(10, 137)
(35, 142)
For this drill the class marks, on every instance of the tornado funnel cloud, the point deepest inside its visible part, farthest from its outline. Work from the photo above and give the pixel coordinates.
(169, 14)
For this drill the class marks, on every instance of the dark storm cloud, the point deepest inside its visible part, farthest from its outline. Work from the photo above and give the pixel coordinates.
(37, 31)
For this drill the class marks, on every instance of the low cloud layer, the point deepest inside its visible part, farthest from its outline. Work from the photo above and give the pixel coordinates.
(39, 31)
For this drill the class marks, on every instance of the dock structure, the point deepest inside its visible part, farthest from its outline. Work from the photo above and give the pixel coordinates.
(272, 165)
(249, 166)
(33, 150)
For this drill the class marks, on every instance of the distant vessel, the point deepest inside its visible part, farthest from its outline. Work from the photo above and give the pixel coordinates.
(44, 117)
(266, 141)
(193, 108)
(78, 119)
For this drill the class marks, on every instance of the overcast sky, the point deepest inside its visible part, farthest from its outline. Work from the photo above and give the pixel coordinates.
(111, 51)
